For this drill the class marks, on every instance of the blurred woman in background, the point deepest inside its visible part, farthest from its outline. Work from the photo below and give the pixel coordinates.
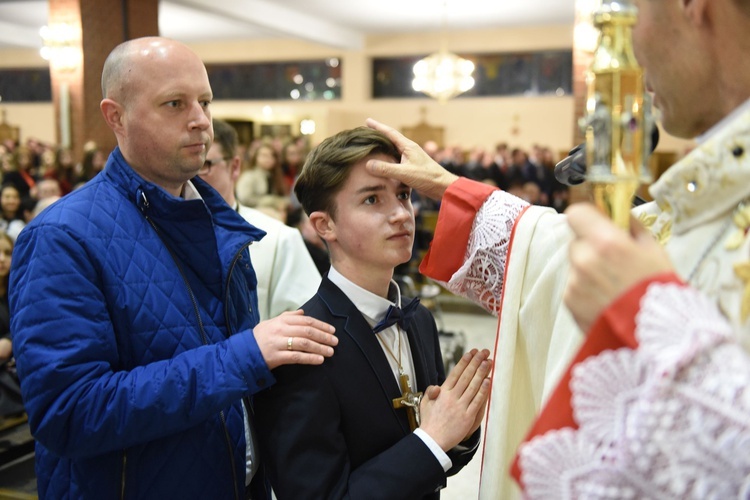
(264, 177)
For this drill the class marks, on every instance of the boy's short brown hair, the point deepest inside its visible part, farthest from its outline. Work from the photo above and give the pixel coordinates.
(328, 165)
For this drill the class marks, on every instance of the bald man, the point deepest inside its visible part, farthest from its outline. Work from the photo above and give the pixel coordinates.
(135, 307)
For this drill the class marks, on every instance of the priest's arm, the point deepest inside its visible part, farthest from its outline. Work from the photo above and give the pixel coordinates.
(680, 384)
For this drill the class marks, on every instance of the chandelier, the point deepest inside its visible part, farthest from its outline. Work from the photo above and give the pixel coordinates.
(60, 46)
(443, 75)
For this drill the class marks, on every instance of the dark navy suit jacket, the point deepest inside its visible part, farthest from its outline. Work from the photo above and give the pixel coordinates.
(331, 431)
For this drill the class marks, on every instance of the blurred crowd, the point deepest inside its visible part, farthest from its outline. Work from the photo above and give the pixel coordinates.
(526, 174)
(35, 174)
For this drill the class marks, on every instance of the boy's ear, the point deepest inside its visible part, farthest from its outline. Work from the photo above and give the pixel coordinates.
(323, 225)
(696, 10)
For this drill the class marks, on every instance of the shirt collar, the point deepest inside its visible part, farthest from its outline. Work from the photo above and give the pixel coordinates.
(372, 307)
(189, 192)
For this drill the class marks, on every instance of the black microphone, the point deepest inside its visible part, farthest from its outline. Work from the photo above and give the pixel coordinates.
(571, 170)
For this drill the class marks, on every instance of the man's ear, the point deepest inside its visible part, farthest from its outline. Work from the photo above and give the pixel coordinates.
(113, 115)
(235, 167)
(324, 226)
(696, 10)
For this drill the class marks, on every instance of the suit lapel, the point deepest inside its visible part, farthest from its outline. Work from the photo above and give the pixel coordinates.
(357, 328)
(417, 354)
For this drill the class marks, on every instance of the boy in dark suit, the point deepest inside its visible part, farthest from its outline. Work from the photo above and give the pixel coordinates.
(348, 428)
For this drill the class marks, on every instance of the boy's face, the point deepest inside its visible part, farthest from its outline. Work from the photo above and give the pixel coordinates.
(374, 226)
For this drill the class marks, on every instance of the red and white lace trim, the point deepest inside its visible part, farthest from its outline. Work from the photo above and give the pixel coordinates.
(670, 419)
(480, 278)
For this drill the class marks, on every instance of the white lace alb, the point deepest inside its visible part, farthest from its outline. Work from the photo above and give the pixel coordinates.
(670, 419)
(480, 277)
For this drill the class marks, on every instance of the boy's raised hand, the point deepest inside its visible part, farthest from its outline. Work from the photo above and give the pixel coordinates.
(452, 412)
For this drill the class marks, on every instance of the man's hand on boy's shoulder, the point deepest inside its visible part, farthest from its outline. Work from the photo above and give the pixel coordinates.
(452, 412)
(293, 338)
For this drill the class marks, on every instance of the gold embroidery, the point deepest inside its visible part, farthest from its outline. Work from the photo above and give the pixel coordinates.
(665, 232)
(662, 234)
(742, 270)
(647, 220)
(735, 240)
(741, 219)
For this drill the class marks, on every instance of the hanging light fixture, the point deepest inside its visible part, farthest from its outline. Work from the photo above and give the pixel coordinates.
(443, 75)
(60, 46)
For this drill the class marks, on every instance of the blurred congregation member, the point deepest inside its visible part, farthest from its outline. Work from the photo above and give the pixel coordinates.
(10, 391)
(292, 159)
(262, 177)
(46, 161)
(6, 159)
(11, 213)
(22, 172)
(274, 205)
(48, 188)
(6, 252)
(93, 162)
(62, 171)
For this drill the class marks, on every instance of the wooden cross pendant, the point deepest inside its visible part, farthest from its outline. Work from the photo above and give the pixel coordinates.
(409, 400)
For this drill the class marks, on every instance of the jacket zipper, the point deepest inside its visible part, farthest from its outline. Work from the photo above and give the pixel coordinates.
(124, 468)
(204, 339)
(230, 330)
(229, 278)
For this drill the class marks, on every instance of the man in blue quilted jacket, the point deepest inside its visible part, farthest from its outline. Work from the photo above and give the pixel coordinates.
(135, 312)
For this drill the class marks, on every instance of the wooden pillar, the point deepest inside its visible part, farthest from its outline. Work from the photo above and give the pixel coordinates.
(97, 26)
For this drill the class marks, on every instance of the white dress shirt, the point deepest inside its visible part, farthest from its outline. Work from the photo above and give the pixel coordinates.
(374, 308)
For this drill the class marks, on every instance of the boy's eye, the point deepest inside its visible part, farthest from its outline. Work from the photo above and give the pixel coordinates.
(173, 104)
(370, 200)
(404, 196)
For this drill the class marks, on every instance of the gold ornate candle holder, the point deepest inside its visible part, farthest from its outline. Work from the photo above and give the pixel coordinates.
(618, 120)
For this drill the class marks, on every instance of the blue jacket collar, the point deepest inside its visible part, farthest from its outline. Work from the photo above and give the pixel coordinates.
(164, 206)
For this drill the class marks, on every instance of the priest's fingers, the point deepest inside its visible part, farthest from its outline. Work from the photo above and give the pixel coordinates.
(416, 168)
(591, 284)
(292, 338)
(585, 220)
(605, 261)
(397, 138)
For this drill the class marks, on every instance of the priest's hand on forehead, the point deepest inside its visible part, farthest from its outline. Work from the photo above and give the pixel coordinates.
(417, 170)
